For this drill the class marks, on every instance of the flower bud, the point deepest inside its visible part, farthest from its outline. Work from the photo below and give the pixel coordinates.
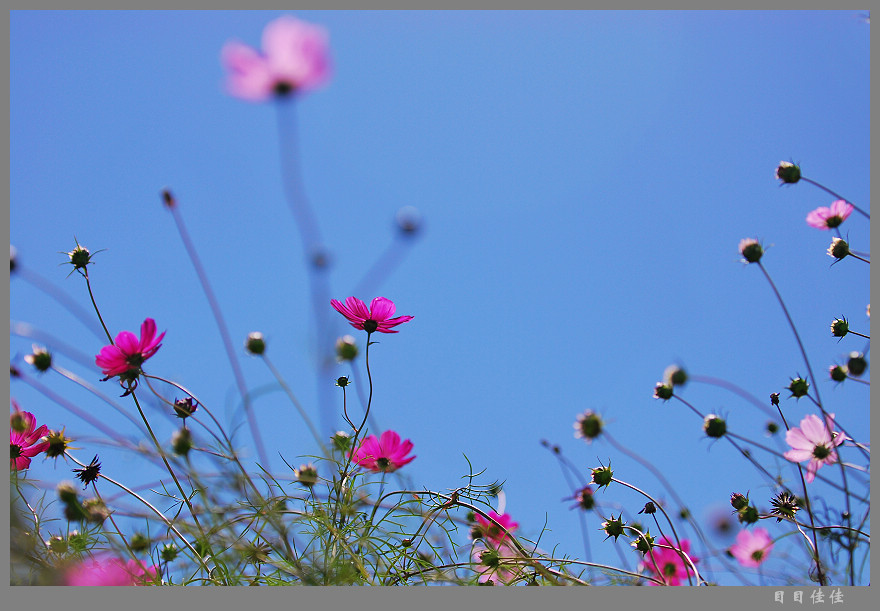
(341, 441)
(346, 348)
(839, 327)
(663, 391)
(649, 508)
(40, 358)
(169, 552)
(838, 373)
(306, 475)
(588, 426)
(139, 542)
(838, 249)
(181, 442)
(613, 527)
(96, 511)
(675, 376)
(342, 381)
(184, 408)
(602, 475)
(255, 344)
(747, 515)
(751, 250)
(409, 220)
(57, 544)
(856, 364)
(774, 398)
(585, 498)
(714, 426)
(788, 173)
(798, 387)
(644, 543)
(772, 428)
(738, 501)
(17, 422)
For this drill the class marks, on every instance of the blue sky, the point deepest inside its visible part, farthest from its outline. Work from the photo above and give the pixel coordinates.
(584, 180)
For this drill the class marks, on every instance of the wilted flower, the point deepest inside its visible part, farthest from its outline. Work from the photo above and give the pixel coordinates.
(58, 443)
(785, 505)
(831, 217)
(294, 58)
(814, 441)
(126, 355)
(90, 472)
(376, 318)
(667, 564)
(25, 439)
(110, 572)
(752, 547)
(383, 455)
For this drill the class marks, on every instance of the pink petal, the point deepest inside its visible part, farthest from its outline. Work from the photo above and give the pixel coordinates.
(381, 309)
(795, 438)
(358, 308)
(128, 343)
(814, 430)
(798, 455)
(389, 441)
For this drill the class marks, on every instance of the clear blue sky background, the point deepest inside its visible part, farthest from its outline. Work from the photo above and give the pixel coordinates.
(584, 177)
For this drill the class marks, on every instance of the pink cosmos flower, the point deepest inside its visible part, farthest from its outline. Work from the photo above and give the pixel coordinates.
(295, 57)
(110, 572)
(491, 531)
(24, 438)
(377, 318)
(667, 565)
(752, 547)
(493, 562)
(831, 217)
(383, 455)
(128, 353)
(814, 441)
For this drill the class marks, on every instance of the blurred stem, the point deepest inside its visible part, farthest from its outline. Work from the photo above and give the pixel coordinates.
(830, 192)
(295, 402)
(221, 325)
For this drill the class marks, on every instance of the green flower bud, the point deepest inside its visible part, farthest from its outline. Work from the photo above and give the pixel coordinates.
(788, 173)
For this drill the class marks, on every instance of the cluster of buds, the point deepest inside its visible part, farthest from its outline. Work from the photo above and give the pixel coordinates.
(745, 512)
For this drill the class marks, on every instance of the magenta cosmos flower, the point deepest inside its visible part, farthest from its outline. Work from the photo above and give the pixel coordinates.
(491, 531)
(752, 547)
(110, 572)
(25, 440)
(814, 441)
(830, 217)
(383, 455)
(128, 353)
(667, 565)
(295, 57)
(376, 318)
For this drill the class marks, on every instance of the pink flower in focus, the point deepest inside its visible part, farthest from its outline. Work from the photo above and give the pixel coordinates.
(383, 455)
(377, 318)
(110, 572)
(128, 353)
(814, 441)
(831, 217)
(491, 532)
(752, 547)
(667, 564)
(24, 438)
(295, 57)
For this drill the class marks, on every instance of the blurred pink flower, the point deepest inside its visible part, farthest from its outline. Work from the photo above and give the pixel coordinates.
(383, 455)
(24, 438)
(667, 564)
(814, 441)
(491, 531)
(752, 547)
(110, 572)
(128, 353)
(295, 57)
(831, 217)
(377, 318)
(491, 562)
